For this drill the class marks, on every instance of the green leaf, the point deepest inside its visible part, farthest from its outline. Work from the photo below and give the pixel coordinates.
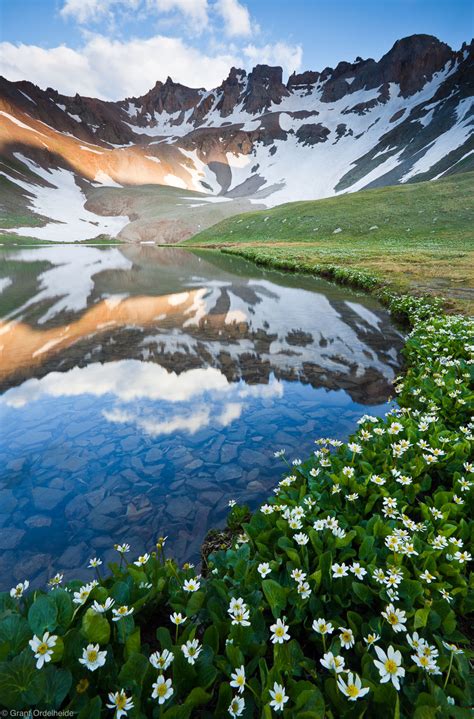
(205, 670)
(92, 710)
(133, 643)
(211, 638)
(195, 603)
(425, 712)
(366, 550)
(224, 699)
(362, 591)
(276, 596)
(197, 697)
(43, 616)
(64, 607)
(396, 714)
(309, 702)
(138, 575)
(21, 684)
(121, 593)
(14, 630)
(178, 712)
(95, 627)
(57, 685)
(184, 674)
(133, 671)
(421, 617)
(234, 654)
(164, 637)
(325, 563)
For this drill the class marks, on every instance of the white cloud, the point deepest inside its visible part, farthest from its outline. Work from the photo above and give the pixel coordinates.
(192, 423)
(95, 11)
(113, 69)
(193, 10)
(236, 17)
(280, 53)
(84, 11)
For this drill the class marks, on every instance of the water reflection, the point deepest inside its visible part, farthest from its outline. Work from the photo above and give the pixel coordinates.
(143, 388)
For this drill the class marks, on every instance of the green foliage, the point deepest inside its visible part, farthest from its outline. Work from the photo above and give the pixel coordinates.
(237, 516)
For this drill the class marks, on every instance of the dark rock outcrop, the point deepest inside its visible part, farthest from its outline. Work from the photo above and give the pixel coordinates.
(265, 87)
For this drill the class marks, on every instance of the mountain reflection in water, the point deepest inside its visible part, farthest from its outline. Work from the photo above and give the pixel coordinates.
(143, 388)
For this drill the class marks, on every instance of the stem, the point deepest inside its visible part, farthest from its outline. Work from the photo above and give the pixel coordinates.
(176, 635)
(449, 670)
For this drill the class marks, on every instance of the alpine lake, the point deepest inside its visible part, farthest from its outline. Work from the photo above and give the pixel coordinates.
(143, 388)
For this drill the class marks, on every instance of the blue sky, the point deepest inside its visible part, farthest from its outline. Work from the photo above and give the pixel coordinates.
(114, 48)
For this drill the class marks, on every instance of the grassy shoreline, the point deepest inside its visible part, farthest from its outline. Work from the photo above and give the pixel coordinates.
(414, 239)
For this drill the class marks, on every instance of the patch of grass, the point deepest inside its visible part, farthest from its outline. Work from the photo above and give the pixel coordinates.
(14, 206)
(9, 239)
(416, 237)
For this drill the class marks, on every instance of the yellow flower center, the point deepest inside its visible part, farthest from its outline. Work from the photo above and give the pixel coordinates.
(121, 701)
(346, 637)
(392, 618)
(279, 631)
(162, 689)
(191, 651)
(92, 656)
(424, 661)
(278, 697)
(240, 680)
(43, 648)
(391, 666)
(352, 690)
(337, 662)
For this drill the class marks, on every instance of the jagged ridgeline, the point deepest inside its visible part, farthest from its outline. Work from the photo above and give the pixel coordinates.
(365, 123)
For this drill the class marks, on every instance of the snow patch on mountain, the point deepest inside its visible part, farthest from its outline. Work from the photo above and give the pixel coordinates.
(62, 201)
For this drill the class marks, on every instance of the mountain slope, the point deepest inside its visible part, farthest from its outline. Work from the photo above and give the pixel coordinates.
(407, 117)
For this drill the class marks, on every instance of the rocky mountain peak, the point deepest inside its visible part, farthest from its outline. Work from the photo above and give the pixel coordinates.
(231, 90)
(412, 62)
(169, 97)
(302, 80)
(353, 125)
(265, 87)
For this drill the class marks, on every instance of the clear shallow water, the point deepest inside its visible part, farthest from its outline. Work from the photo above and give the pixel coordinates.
(142, 388)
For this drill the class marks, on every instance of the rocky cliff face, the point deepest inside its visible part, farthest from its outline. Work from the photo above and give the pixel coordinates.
(405, 117)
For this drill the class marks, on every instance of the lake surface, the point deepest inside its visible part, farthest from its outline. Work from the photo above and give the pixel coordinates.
(143, 388)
